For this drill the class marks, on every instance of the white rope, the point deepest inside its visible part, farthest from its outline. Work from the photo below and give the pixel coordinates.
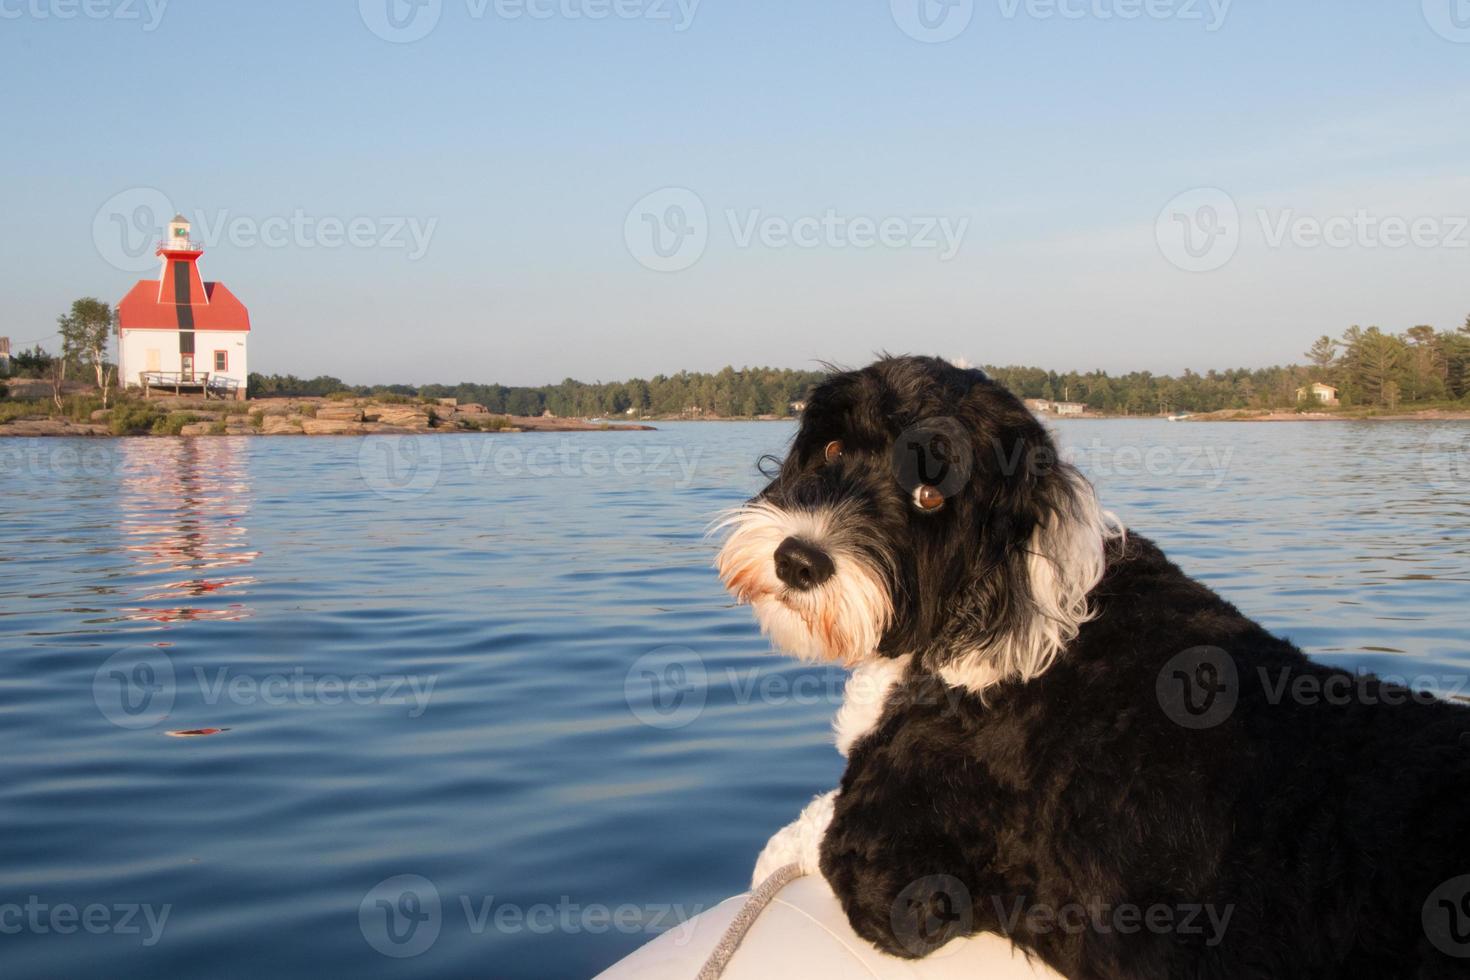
(714, 967)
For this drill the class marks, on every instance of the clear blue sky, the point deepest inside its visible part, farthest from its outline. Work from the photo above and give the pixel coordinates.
(1055, 142)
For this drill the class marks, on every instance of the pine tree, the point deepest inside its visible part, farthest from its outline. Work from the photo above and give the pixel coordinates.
(1323, 353)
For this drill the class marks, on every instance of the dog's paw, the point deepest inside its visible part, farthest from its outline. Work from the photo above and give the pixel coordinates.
(799, 842)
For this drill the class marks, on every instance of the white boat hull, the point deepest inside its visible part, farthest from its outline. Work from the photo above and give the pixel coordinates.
(803, 933)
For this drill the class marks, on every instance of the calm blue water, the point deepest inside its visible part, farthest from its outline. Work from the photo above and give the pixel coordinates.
(503, 666)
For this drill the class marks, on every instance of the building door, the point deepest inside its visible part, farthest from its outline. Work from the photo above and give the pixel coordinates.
(187, 369)
(153, 359)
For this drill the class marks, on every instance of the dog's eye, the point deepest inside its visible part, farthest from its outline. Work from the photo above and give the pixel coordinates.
(833, 452)
(928, 498)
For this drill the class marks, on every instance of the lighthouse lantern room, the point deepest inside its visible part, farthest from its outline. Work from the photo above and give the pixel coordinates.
(180, 334)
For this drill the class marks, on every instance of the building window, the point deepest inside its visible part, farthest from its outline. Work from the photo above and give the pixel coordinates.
(221, 361)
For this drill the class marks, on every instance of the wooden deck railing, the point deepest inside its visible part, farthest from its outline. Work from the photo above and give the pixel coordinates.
(179, 382)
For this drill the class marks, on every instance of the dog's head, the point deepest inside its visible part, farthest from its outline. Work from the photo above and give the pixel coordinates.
(921, 510)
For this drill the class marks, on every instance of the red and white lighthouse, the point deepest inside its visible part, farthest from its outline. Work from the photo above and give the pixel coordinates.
(180, 332)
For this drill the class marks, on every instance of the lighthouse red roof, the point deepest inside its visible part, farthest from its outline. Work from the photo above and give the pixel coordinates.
(181, 300)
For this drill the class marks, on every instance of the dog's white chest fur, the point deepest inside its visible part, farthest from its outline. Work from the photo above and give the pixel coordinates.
(800, 842)
(863, 699)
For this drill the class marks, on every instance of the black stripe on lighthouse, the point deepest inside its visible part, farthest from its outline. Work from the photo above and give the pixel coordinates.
(184, 302)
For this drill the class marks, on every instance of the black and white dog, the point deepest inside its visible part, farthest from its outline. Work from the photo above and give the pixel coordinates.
(1053, 734)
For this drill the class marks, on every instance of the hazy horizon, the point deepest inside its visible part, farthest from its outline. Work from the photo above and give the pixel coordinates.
(520, 191)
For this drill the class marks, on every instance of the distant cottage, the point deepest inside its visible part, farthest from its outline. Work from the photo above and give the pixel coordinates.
(1318, 392)
(1045, 406)
(180, 333)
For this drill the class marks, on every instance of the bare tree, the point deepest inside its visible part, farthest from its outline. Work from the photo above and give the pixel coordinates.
(56, 374)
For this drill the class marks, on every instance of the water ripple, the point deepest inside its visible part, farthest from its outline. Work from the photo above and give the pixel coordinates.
(530, 765)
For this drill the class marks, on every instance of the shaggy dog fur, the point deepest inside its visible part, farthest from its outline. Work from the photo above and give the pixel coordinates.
(1082, 748)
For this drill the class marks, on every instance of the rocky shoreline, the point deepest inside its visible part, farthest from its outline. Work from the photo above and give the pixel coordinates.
(195, 417)
(1263, 415)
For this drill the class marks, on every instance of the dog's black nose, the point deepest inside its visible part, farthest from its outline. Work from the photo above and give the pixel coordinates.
(802, 566)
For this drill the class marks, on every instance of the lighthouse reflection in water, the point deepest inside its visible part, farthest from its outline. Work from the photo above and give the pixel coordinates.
(184, 506)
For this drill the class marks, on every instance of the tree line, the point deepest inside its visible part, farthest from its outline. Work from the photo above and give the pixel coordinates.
(1369, 367)
(731, 391)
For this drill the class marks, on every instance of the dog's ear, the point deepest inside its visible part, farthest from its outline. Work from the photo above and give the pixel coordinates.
(1041, 550)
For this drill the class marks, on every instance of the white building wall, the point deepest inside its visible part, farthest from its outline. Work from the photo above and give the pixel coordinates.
(235, 344)
(158, 350)
(140, 350)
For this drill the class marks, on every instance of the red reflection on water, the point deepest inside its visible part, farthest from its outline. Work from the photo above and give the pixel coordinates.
(187, 614)
(184, 503)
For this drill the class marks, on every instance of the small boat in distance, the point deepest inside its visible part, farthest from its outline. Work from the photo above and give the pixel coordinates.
(1180, 417)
